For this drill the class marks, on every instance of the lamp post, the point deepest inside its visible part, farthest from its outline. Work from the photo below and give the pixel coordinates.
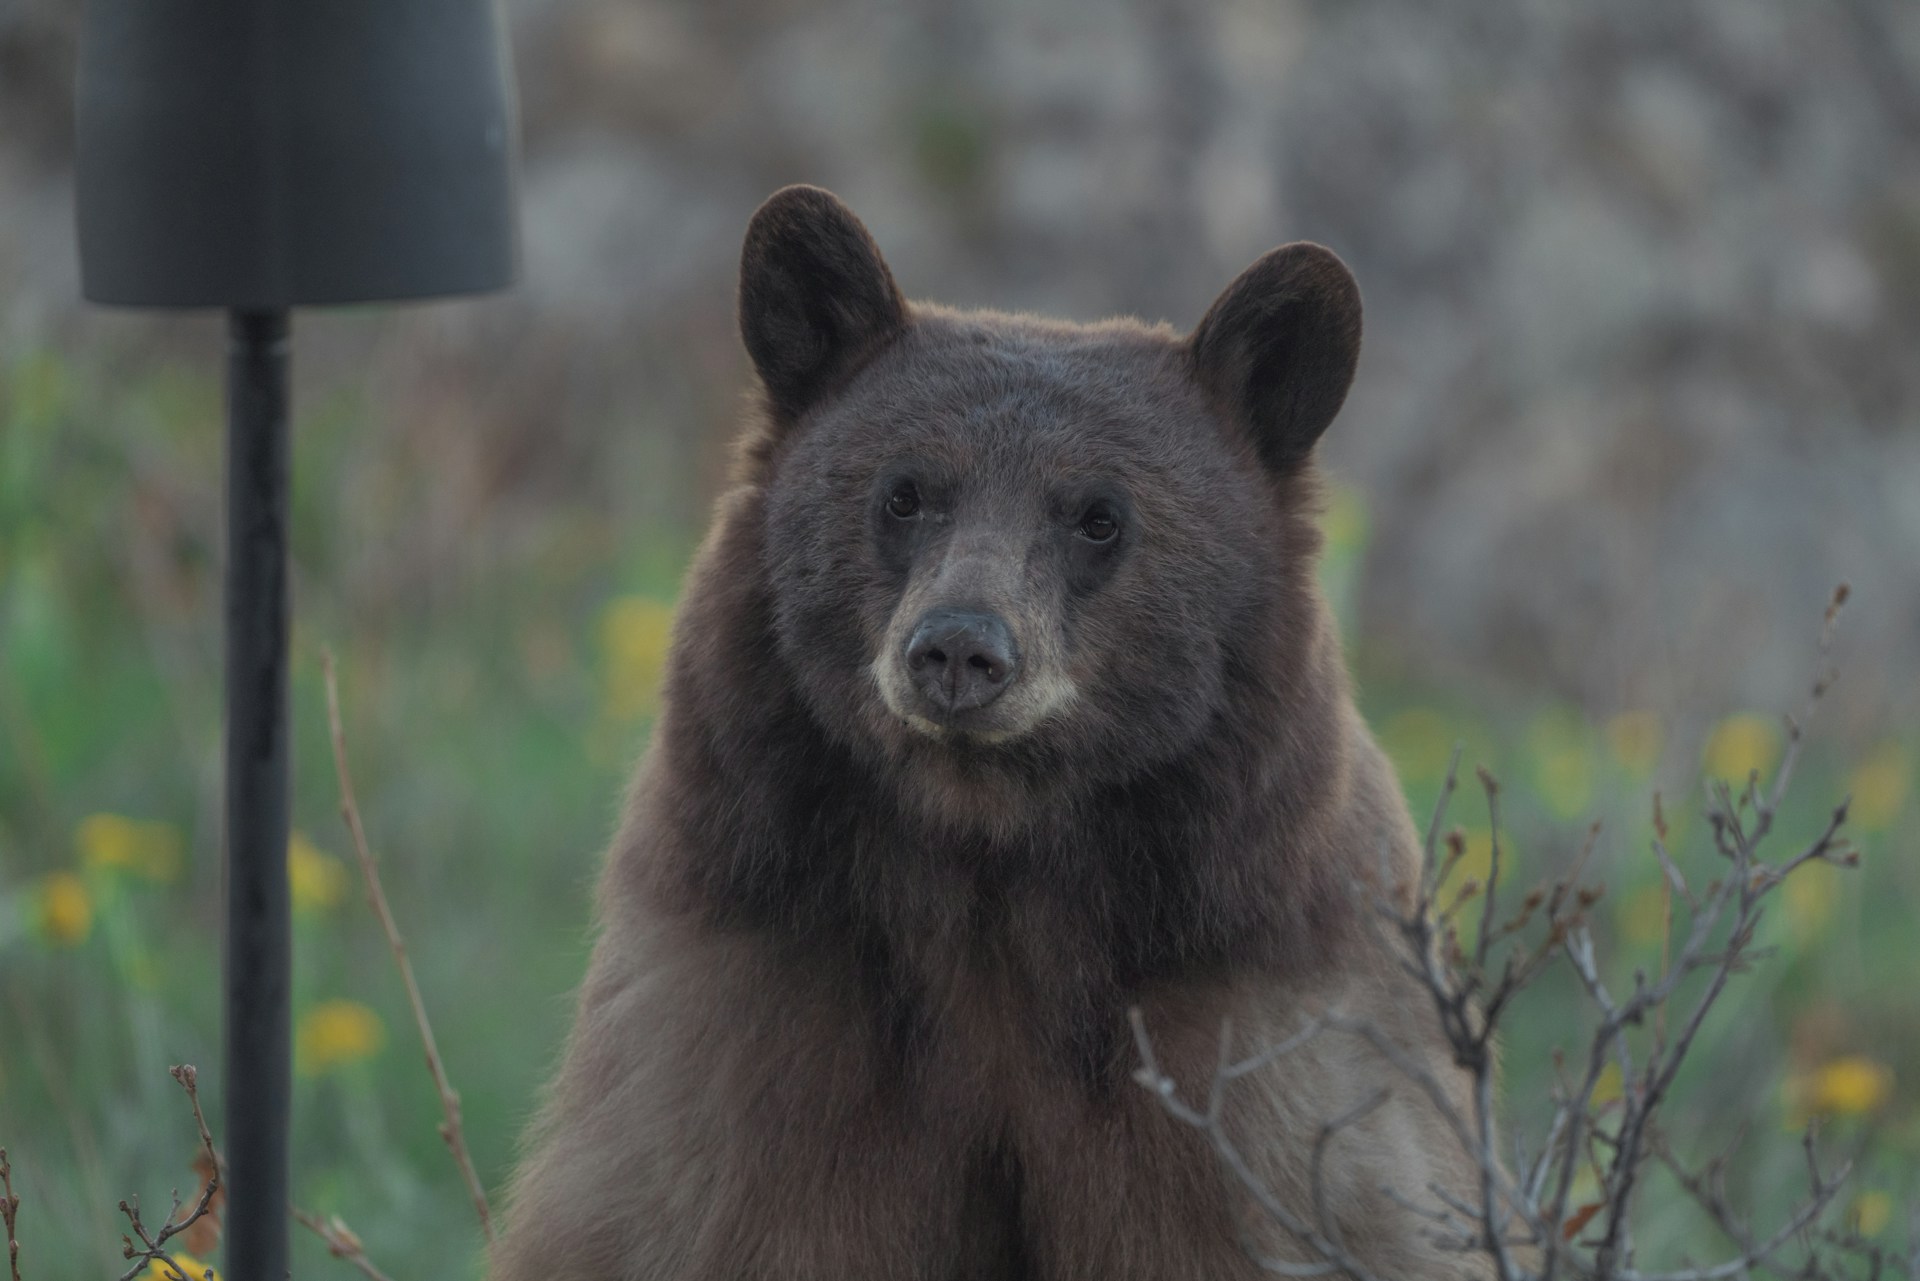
(256, 156)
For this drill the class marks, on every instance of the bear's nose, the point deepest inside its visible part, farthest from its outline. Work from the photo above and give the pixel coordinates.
(961, 658)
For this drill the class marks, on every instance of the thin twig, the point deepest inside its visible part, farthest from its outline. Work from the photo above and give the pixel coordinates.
(1332, 1256)
(153, 1245)
(450, 1129)
(341, 1242)
(9, 1208)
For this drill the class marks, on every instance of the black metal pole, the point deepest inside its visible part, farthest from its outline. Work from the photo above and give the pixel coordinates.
(259, 956)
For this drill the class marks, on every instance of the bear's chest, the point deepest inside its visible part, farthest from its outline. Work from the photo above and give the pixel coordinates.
(1001, 1010)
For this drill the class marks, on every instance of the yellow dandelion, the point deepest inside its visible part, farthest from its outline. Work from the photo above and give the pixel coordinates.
(64, 908)
(1741, 745)
(195, 1270)
(1345, 521)
(1562, 767)
(1419, 743)
(1586, 1186)
(1476, 863)
(1809, 895)
(1606, 1087)
(115, 842)
(1642, 917)
(335, 1034)
(40, 388)
(106, 840)
(1850, 1086)
(1633, 740)
(140, 970)
(1879, 787)
(318, 881)
(1872, 1211)
(634, 635)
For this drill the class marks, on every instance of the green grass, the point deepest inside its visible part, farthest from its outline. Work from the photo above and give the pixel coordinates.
(488, 696)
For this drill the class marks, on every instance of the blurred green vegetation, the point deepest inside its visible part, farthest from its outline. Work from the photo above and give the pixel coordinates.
(494, 702)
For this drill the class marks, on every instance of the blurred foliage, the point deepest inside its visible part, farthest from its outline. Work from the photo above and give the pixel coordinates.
(493, 711)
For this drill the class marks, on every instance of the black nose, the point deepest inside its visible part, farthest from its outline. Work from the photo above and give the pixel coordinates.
(961, 658)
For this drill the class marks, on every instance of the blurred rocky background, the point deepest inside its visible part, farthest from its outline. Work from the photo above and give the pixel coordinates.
(1642, 376)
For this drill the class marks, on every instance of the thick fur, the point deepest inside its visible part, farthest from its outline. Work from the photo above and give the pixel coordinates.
(858, 1008)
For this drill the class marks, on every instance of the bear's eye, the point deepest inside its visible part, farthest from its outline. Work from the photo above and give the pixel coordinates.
(904, 502)
(1099, 524)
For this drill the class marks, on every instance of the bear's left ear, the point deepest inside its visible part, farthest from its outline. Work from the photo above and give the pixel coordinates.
(816, 298)
(1278, 349)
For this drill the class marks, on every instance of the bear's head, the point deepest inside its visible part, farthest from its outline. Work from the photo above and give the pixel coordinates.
(998, 546)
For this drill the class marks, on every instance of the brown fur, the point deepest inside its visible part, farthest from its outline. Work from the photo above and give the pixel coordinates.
(858, 1006)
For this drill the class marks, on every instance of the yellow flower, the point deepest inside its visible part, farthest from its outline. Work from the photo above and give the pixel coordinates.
(1879, 788)
(65, 909)
(1345, 521)
(634, 634)
(1561, 771)
(1741, 745)
(140, 970)
(335, 1034)
(1634, 740)
(40, 388)
(1871, 1212)
(1809, 895)
(1849, 1086)
(112, 841)
(1476, 863)
(1419, 743)
(1606, 1087)
(1565, 782)
(196, 1270)
(318, 881)
(1642, 918)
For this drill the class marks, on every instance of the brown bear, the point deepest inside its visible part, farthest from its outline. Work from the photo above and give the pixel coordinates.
(1002, 701)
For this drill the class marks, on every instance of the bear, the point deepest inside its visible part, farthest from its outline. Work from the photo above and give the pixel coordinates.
(1002, 702)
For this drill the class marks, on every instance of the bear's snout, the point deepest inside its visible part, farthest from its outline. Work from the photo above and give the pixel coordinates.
(960, 659)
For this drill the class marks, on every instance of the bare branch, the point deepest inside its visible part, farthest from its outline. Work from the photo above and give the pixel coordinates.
(1332, 1257)
(340, 1241)
(9, 1210)
(1527, 1228)
(152, 1245)
(1430, 847)
(1322, 1210)
(450, 1129)
(1485, 941)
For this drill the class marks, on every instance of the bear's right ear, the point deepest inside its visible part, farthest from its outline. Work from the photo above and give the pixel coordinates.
(816, 299)
(1278, 349)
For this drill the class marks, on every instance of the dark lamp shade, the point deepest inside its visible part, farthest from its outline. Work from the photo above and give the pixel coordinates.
(275, 153)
